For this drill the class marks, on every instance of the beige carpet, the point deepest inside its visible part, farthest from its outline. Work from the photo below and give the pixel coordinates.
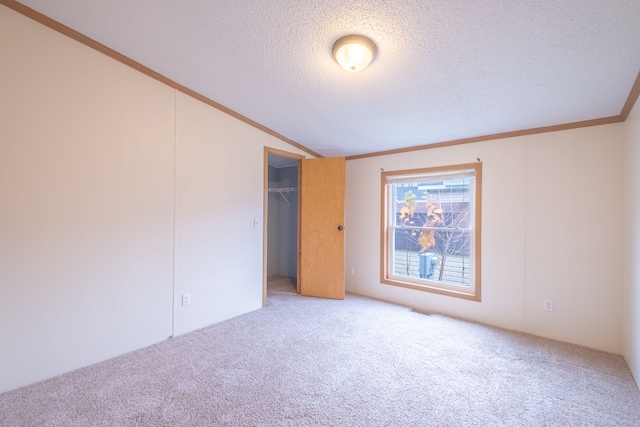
(358, 362)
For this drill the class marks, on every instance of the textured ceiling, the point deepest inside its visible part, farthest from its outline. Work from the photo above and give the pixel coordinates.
(445, 70)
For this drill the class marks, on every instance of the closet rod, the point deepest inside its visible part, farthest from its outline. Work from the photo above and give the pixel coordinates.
(281, 191)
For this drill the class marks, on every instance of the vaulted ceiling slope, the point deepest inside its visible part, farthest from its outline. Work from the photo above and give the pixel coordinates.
(445, 70)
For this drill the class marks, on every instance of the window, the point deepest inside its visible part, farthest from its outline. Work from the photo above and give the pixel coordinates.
(431, 229)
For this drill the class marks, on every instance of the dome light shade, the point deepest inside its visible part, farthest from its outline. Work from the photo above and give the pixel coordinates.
(354, 52)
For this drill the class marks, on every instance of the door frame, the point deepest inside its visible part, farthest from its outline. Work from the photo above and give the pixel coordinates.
(265, 217)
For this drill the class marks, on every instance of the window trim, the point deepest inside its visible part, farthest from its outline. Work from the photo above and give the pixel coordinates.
(429, 285)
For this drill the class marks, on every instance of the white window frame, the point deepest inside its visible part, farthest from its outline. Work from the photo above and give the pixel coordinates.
(389, 180)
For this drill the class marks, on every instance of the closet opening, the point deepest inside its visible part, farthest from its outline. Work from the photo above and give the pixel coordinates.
(282, 223)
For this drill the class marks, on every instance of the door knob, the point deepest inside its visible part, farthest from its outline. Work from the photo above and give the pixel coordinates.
(340, 228)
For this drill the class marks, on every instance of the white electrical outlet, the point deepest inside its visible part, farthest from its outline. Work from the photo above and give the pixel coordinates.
(353, 271)
(256, 223)
(548, 305)
(186, 299)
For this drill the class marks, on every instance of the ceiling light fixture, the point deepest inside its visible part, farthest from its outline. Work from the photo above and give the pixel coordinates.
(354, 52)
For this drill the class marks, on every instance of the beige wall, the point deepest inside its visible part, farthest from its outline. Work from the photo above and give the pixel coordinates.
(219, 193)
(551, 229)
(86, 177)
(106, 177)
(632, 244)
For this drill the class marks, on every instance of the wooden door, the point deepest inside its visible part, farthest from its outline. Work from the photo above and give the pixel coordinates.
(322, 227)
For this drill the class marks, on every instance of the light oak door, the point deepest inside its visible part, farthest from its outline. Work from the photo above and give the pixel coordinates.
(322, 227)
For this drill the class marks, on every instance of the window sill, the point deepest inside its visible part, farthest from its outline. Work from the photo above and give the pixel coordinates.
(436, 289)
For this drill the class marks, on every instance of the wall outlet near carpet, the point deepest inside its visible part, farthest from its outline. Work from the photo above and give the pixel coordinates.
(548, 305)
(186, 299)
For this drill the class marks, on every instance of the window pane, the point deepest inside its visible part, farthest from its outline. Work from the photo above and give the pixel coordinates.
(432, 229)
(447, 261)
(438, 203)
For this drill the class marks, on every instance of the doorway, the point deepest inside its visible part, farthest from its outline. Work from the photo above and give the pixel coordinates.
(281, 260)
(303, 237)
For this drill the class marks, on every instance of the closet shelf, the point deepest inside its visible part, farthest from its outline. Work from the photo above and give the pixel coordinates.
(282, 192)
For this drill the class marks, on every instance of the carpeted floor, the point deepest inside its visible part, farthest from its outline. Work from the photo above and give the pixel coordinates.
(358, 362)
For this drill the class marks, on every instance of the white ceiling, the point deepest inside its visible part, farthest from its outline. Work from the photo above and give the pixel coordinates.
(445, 69)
